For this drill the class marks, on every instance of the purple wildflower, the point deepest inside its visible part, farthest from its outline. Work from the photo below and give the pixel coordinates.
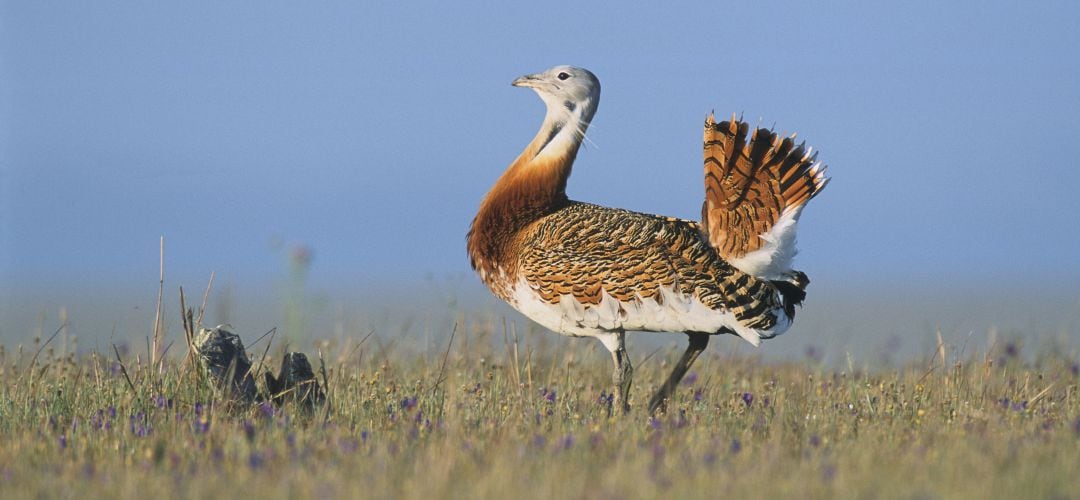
(62, 441)
(256, 460)
(699, 394)
(748, 398)
(539, 441)
(1075, 369)
(267, 409)
(709, 458)
(1076, 426)
(138, 424)
(198, 409)
(547, 394)
(364, 435)
(815, 441)
(408, 403)
(161, 402)
(566, 442)
(690, 378)
(112, 412)
(736, 446)
(655, 423)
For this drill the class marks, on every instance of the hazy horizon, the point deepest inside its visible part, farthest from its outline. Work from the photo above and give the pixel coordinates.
(836, 322)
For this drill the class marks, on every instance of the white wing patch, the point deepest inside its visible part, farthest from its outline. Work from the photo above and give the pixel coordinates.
(773, 260)
(677, 313)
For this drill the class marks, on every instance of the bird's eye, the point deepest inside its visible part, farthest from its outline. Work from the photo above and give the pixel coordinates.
(564, 75)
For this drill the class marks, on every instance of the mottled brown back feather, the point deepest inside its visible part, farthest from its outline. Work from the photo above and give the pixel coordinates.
(583, 251)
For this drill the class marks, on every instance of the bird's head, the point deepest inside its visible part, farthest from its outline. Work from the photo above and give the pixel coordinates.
(575, 91)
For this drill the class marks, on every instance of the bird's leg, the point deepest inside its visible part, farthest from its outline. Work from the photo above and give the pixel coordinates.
(624, 372)
(698, 341)
(622, 376)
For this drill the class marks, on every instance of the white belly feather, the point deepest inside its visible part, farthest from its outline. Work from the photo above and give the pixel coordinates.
(677, 313)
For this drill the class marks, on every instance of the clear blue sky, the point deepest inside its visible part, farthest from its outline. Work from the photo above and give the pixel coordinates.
(369, 131)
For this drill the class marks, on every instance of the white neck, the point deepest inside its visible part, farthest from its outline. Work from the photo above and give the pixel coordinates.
(563, 128)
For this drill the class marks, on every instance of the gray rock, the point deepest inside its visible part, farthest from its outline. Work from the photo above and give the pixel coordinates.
(295, 382)
(223, 355)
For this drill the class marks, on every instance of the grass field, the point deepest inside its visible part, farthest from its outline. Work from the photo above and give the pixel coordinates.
(520, 419)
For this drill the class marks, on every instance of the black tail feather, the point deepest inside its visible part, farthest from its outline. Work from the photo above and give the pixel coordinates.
(792, 292)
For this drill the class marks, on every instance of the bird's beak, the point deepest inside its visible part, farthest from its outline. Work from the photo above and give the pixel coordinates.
(532, 81)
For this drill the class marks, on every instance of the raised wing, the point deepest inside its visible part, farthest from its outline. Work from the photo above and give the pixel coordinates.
(754, 192)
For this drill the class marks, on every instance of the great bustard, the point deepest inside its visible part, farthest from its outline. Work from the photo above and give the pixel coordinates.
(589, 271)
